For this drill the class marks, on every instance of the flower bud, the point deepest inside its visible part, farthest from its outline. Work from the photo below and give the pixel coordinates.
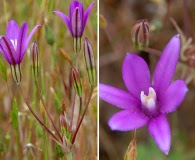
(62, 120)
(77, 44)
(89, 61)
(34, 52)
(16, 73)
(76, 82)
(140, 34)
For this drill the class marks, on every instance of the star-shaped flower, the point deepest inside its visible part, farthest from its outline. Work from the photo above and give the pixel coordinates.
(147, 101)
(14, 44)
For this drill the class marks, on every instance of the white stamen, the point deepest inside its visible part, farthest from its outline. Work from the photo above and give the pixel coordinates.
(14, 42)
(149, 101)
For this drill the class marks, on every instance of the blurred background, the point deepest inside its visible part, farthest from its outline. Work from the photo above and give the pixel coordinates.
(31, 141)
(116, 20)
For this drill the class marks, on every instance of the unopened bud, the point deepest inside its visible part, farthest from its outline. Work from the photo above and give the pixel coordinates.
(16, 73)
(76, 82)
(77, 44)
(140, 34)
(63, 123)
(34, 52)
(89, 61)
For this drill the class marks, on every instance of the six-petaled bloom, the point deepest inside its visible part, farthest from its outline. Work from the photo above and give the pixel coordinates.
(14, 44)
(147, 102)
(76, 21)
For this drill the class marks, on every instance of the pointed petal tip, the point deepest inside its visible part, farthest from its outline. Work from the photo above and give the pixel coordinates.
(166, 152)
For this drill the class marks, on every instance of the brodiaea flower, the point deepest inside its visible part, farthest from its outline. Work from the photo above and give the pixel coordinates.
(14, 44)
(147, 102)
(76, 21)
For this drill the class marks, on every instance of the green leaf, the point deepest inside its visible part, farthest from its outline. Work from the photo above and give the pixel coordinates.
(3, 70)
(14, 114)
(59, 151)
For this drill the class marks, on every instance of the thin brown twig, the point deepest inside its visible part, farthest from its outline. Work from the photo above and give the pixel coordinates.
(35, 116)
(79, 124)
(44, 105)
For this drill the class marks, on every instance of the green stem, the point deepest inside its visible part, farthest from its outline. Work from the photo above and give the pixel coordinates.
(69, 156)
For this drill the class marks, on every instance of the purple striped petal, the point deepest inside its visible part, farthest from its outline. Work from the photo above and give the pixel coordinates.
(128, 120)
(166, 66)
(65, 19)
(173, 96)
(87, 12)
(8, 51)
(136, 75)
(12, 30)
(159, 129)
(77, 23)
(30, 35)
(72, 7)
(117, 97)
(21, 41)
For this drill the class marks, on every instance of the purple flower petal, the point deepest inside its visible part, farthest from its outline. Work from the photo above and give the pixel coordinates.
(30, 35)
(72, 7)
(166, 66)
(77, 23)
(117, 97)
(12, 30)
(173, 96)
(159, 129)
(128, 120)
(21, 40)
(65, 19)
(87, 12)
(136, 75)
(8, 51)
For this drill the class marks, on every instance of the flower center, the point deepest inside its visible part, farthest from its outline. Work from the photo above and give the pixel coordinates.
(14, 42)
(149, 101)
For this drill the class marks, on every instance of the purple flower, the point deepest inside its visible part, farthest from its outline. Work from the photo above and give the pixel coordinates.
(14, 44)
(77, 19)
(147, 102)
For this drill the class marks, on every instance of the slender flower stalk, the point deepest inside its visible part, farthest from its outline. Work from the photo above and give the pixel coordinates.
(147, 101)
(14, 44)
(76, 21)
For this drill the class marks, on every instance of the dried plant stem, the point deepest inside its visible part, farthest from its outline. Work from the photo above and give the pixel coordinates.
(35, 116)
(45, 143)
(186, 18)
(5, 10)
(44, 105)
(86, 107)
